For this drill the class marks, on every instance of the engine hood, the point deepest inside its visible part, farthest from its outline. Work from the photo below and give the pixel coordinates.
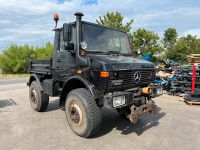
(118, 62)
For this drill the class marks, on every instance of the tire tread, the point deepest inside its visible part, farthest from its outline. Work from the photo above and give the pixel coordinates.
(44, 98)
(95, 114)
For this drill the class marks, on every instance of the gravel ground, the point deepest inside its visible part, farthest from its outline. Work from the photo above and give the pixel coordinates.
(174, 126)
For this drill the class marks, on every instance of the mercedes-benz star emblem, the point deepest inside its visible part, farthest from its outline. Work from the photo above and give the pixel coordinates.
(137, 77)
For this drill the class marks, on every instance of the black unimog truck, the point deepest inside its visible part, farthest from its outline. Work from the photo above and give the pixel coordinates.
(92, 68)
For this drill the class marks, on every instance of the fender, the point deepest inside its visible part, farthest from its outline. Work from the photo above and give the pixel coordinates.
(82, 83)
(36, 78)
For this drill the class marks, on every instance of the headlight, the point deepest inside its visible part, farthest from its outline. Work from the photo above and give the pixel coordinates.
(116, 82)
(119, 101)
(83, 45)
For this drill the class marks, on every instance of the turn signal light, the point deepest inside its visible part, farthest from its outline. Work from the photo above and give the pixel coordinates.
(104, 74)
(78, 71)
(82, 53)
(146, 90)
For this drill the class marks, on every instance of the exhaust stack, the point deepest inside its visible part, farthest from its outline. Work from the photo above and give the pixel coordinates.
(79, 59)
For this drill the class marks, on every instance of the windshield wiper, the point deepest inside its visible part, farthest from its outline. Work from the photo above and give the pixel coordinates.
(105, 52)
(113, 52)
(94, 51)
(118, 52)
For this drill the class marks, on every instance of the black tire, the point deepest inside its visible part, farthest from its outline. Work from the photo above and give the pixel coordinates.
(82, 113)
(38, 100)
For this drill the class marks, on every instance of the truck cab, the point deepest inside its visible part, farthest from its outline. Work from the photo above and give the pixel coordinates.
(91, 68)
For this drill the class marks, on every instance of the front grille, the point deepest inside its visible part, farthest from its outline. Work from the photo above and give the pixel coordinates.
(147, 76)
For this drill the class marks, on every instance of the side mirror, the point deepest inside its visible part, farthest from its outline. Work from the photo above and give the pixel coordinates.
(68, 46)
(66, 32)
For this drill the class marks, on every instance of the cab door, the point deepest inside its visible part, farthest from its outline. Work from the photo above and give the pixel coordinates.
(64, 62)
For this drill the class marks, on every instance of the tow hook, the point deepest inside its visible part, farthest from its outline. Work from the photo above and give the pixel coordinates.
(137, 111)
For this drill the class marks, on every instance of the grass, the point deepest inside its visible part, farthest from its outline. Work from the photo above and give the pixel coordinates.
(14, 75)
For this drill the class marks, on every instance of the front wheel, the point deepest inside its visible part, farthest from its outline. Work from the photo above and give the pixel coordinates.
(82, 113)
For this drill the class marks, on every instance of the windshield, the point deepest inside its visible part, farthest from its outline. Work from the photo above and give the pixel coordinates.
(102, 39)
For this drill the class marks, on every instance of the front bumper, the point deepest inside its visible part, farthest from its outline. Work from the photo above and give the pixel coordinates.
(136, 96)
(138, 101)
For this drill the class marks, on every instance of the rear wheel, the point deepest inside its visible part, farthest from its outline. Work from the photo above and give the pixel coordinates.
(38, 100)
(82, 113)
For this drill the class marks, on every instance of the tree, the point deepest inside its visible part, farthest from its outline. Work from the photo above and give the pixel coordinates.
(184, 46)
(44, 52)
(14, 59)
(114, 20)
(170, 37)
(145, 41)
(1, 62)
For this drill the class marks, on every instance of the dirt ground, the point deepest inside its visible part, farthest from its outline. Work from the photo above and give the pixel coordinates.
(175, 125)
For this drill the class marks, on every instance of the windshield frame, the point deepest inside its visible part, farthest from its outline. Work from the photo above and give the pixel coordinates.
(122, 31)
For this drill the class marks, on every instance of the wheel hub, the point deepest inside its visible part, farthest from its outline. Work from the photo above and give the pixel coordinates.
(33, 96)
(76, 114)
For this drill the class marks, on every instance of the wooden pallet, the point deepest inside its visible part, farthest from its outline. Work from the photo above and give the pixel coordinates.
(193, 58)
(191, 103)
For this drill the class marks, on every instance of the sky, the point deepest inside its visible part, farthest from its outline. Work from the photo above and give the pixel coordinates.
(31, 21)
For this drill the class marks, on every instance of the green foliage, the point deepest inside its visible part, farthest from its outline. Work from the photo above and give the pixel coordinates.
(183, 47)
(14, 59)
(145, 41)
(170, 37)
(44, 52)
(1, 63)
(115, 20)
